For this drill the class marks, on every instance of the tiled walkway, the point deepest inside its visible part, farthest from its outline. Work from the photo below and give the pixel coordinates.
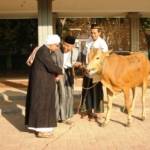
(81, 135)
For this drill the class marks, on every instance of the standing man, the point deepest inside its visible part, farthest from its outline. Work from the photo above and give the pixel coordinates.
(60, 90)
(92, 95)
(70, 58)
(40, 114)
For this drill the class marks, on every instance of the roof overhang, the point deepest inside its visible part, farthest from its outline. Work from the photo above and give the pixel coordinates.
(10, 9)
(75, 8)
(100, 8)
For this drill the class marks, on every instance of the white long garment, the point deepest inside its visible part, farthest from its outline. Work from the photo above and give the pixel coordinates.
(99, 43)
(69, 60)
(41, 129)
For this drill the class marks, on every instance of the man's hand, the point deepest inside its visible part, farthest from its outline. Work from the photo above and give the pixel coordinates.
(77, 64)
(59, 77)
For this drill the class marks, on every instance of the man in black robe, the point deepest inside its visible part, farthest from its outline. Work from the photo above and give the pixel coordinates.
(40, 113)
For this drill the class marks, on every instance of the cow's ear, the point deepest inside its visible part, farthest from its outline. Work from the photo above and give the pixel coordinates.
(108, 52)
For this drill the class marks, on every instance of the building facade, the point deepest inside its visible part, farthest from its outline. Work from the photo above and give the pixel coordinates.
(125, 24)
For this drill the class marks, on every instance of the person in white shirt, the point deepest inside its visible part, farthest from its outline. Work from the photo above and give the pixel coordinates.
(94, 41)
(92, 98)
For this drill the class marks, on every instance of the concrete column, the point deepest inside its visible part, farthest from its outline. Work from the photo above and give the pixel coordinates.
(44, 20)
(54, 22)
(134, 30)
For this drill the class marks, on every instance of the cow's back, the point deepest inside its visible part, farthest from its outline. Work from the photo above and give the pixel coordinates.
(125, 71)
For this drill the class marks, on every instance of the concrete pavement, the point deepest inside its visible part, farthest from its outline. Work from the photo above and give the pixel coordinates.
(82, 135)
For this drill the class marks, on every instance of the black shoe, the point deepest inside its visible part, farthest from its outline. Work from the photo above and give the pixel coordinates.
(60, 121)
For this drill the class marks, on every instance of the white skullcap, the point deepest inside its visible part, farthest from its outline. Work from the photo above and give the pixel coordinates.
(53, 39)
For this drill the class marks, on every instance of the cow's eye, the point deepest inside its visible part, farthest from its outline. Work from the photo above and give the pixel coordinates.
(97, 58)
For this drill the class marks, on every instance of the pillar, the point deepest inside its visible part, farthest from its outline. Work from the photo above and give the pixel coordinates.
(134, 30)
(45, 26)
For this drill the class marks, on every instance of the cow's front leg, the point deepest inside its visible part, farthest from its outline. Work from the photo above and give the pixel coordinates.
(133, 99)
(109, 107)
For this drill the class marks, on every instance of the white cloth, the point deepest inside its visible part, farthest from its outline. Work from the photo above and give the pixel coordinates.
(32, 56)
(69, 60)
(53, 39)
(41, 129)
(99, 43)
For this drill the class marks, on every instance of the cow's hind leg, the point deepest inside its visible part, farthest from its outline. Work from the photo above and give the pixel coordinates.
(144, 87)
(128, 105)
(133, 94)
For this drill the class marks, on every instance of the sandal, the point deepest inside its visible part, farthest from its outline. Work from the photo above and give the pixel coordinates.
(43, 134)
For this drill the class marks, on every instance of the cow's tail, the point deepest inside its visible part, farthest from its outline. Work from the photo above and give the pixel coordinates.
(149, 66)
(149, 70)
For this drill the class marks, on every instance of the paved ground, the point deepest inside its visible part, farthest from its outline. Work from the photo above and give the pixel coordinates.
(82, 135)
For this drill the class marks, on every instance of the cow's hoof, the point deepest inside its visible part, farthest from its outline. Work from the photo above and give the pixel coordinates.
(82, 115)
(104, 124)
(143, 118)
(124, 110)
(90, 117)
(128, 124)
(96, 119)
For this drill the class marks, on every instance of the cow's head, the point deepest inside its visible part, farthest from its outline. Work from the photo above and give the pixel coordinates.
(96, 61)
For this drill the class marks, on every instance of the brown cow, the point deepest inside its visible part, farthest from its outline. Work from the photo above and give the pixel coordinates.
(120, 73)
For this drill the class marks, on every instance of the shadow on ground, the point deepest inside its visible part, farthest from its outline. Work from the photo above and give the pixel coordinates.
(14, 84)
(12, 108)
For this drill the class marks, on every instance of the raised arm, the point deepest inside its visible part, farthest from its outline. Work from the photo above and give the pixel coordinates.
(45, 57)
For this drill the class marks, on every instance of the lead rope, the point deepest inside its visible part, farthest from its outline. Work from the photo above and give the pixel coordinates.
(82, 104)
(90, 86)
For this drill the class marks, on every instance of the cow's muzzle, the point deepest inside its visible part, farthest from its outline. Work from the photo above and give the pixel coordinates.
(91, 71)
